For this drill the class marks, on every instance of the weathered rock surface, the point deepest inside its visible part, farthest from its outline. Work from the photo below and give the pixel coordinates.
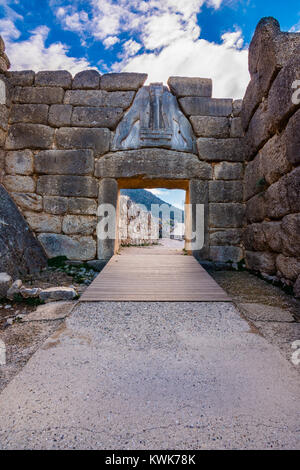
(292, 136)
(263, 262)
(76, 137)
(28, 201)
(288, 267)
(60, 115)
(14, 289)
(34, 136)
(228, 171)
(81, 205)
(57, 78)
(64, 162)
(87, 80)
(55, 204)
(225, 191)
(20, 252)
(63, 185)
(18, 183)
(96, 117)
(31, 113)
(47, 95)
(19, 162)
(99, 98)
(83, 224)
(43, 222)
(190, 86)
(221, 149)
(210, 126)
(122, 81)
(226, 215)
(196, 106)
(54, 294)
(226, 237)
(152, 163)
(81, 248)
(225, 254)
(21, 78)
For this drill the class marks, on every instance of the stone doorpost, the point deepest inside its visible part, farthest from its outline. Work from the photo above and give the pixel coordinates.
(197, 219)
(108, 194)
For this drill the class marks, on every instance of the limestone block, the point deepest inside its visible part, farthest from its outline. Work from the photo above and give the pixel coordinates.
(19, 162)
(108, 194)
(226, 215)
(54, 294)
(32, 113)
(43, 222)
(122, 81)
(297, 288)
(237, 108)
(97, 117)
(187, 86)
(64, 162)
(81, 248)
(47, 95)
(224, 254)
(259, 129)
(225, 191)
(210, 126)
(221, 149)
(60, 115)
(280, 102)
(228, 171)
(274, 163)
(76, 137)
(254, 181)
(287, 267)
(3, 117)
(99, 98)
(2, 137)
(277, 200)
(152, 163)
(290, 227)
(273, 235)
(226, 237)
(82, 205)
(87, 79)
(256, 208)
(292, 136)
(254, 238)
(28, 201)
(4, 62)
(21, 78)
(83, 224)
(55, 204)
(261, 261)
(292, 183)
(3, 93)
(19, 184)
(34, 136)
(197, 106)
(81, 186)
(57, 78)
(236, 129)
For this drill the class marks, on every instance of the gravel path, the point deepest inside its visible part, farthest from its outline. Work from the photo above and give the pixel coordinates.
(153, 375)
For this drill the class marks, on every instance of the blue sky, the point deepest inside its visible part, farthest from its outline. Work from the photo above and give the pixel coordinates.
(207, 38)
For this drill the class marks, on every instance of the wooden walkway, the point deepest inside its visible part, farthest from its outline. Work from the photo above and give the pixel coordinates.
(154, 274)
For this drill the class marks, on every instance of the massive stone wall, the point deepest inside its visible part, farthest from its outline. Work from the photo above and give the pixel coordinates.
(271, 119)
(58, 147)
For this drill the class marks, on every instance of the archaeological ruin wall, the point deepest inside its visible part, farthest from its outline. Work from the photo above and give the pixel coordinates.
(69, 143)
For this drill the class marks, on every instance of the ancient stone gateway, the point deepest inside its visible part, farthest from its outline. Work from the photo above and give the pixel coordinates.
(68, 144)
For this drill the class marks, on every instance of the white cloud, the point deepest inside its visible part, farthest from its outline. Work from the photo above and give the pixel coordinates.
(110, 41)
(295, 28)
(33, 53)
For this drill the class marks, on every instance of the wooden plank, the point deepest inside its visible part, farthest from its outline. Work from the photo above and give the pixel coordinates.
(165, 276)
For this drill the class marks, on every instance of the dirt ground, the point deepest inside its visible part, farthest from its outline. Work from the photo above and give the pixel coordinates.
(268, 309)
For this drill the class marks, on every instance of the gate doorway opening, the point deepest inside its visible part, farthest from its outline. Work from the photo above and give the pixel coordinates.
(152, 213)
(152, 217)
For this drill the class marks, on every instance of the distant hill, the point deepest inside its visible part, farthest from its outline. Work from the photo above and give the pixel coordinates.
(141, 196)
